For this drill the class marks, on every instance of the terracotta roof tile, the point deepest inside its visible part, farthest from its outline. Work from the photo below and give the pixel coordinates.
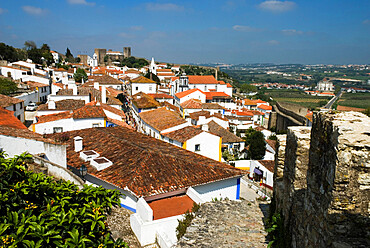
(144, 101)
(268, 164)
(187, 92)
(217, 95)
(192, 104)
(8, 119)
(95, 94)
(229, 85)
(202, 79)
(6, 101)
(35, 84)
(221, 82)
(183, 134)
(272, 143)
(68, 104)
(195, 115)
(53, 117)
(25, 133)
(226, 135)
(161, 118)
(160, 96)
(145, 165)
(103, 80)
(265, 107)
(142, 80)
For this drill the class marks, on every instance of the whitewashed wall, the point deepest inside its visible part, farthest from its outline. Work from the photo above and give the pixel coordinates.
(77, 97)
(209, 145)
(19, 110)
(143, 87)
(16, 146)
(195, 95)
(68, 125)
(220, 189)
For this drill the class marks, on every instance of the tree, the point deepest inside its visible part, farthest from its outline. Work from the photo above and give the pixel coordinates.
(248, 88)
(154, 77)
(11, 54)
(255, 141)
(46, 54)
(30, 44)
(79, 75)
(69, 56)
(35, 55)
(7, 86)
(257, 146)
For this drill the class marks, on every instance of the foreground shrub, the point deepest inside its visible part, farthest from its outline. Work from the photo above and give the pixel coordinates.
(38, 211)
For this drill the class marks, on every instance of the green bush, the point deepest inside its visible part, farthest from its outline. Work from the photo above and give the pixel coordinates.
(38, 211)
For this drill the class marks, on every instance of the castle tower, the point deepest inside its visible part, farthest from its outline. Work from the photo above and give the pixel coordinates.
(126, 52)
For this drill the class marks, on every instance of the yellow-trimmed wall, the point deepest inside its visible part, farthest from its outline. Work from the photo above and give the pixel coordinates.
(219, 150)
(184, 145)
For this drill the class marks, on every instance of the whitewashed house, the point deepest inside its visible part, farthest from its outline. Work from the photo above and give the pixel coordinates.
(164, 176)
(142, 84)
(13, 104)
(196, 140)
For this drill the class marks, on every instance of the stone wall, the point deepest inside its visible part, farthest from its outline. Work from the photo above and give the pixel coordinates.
(326, 182)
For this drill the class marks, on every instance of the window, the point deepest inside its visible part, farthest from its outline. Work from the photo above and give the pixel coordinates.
(19, 117)
(171, 141)
(197, 147)
(95, 125)
(57, 129)
(150, 88)
(136, 88)
(14, 107)
(21, 105)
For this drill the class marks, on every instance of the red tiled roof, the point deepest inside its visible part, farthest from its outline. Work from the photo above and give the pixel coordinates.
(211, 95)
(53, 117)
(172, 206)
(229, 85)
(8, 119)
(108, 108)
(25, 133)
(6, 101)
(161, 118)
(119, 123)
(164, 70)
(183, 134)
(144, 101)
(265, 107)
(268, 164)
(11, 67)
(160, 96)
(95, 94)
(208, 79)
(256, 112)
(221, 82)
(272, 143)
(187, 92)
(68, 104)
(142, 80)
(89, 112)
(191, 104)
(195, 115)
(226, 135)
(103, 80)
(145, 165)
(35, 84)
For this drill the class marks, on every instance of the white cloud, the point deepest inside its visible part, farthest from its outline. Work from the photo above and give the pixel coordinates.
(137, 28)
(277, 6)
(244, 28)
(292, 32)
(34, 10)
(164, 7)
(2, 11)
(273, 42)
(126, 35)
(366, 22)
(82, 2)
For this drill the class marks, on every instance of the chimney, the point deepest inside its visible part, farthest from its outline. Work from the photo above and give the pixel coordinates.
(205, 127)
(96, 85)
(78, 143)
(51, 104)
(103, 95)
(74, 89)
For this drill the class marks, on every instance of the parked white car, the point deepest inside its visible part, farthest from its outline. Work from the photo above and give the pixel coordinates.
(31, 106)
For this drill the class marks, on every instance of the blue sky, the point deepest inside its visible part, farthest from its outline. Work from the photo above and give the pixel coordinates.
(189, 31)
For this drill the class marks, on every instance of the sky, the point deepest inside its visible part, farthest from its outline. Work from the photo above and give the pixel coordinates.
(197, 31)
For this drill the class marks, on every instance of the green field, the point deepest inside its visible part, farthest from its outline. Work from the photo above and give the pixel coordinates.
(297, 97)
(356, 100)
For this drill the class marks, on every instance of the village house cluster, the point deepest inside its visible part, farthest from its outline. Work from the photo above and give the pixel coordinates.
(160, 143)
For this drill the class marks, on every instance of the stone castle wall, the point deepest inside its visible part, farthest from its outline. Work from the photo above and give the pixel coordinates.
(323, 192)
